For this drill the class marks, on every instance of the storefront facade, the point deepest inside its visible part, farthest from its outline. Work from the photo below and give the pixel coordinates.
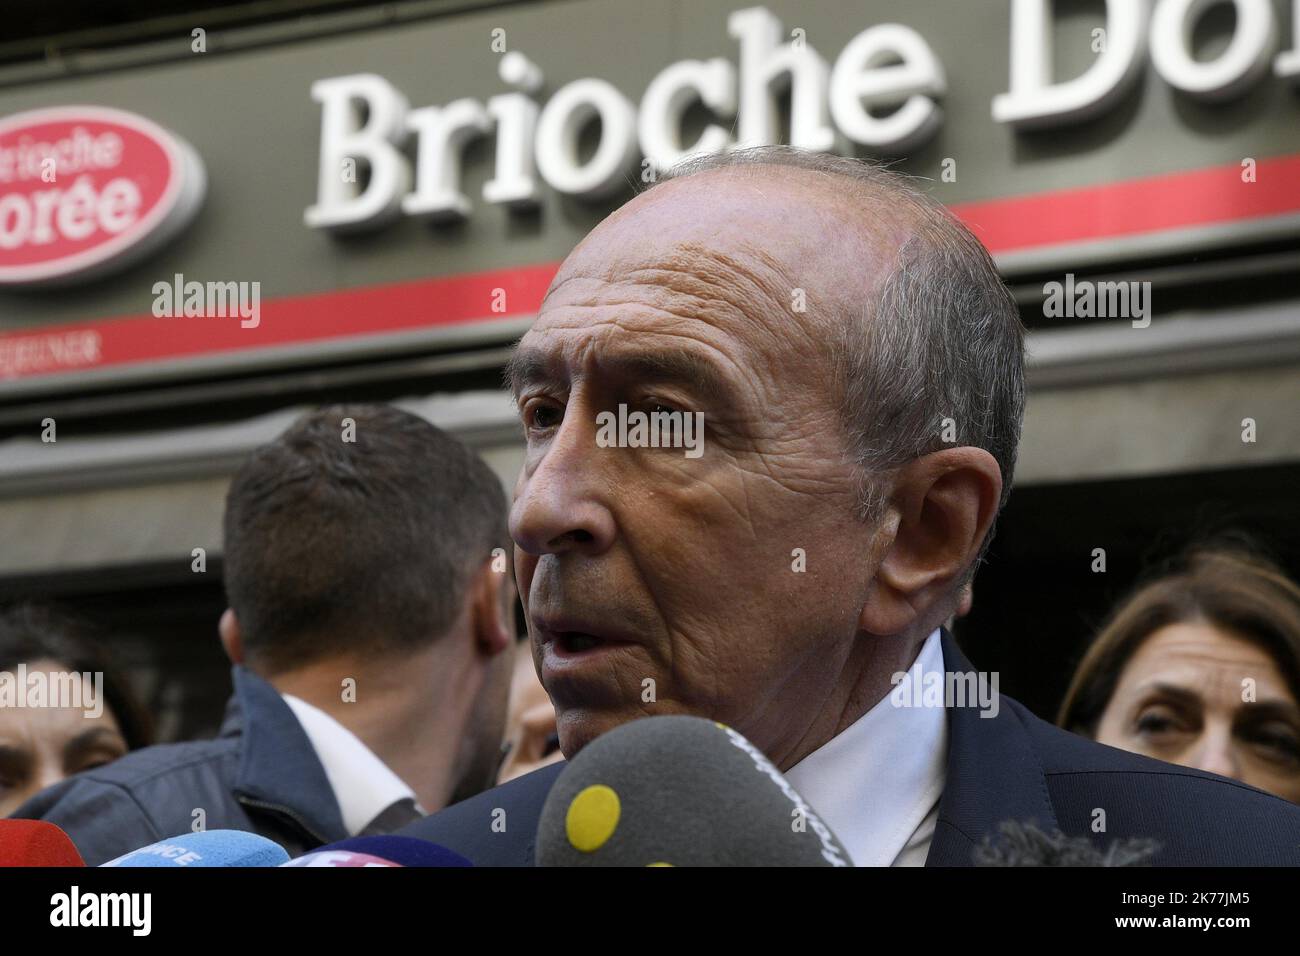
(357, 209)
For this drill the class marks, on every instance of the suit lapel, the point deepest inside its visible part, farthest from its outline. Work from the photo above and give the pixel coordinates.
(993, 775)
(278, 767)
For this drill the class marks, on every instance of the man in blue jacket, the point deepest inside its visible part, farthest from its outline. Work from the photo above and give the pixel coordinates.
(772, 408)
(365, 600)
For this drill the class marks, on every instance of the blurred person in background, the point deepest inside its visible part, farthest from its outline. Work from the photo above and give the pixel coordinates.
(1201, 667)
(43, 744)
(370, 631)
(532, 740)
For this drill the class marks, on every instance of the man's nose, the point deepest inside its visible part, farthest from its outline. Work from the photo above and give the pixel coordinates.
(1214, 753)
(562, 504)
(47, 774)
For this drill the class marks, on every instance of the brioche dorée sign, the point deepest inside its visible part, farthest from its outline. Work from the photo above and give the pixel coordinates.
(883, 92)
(1170, 170)
(84, 190)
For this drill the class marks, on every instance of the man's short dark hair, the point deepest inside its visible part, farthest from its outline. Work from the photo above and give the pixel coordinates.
(358, 529)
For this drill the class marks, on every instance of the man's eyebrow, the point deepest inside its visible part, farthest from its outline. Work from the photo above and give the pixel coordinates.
(527, 367)
(88, 740)
(1280, 709)
(1176, 693)
(674, 367)
(670, 366)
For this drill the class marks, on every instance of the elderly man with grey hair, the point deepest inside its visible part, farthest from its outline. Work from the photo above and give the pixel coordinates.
(857, 368)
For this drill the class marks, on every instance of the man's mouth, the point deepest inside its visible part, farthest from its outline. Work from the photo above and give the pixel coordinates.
(587, 661)
(569, 639)
(578, 643)
(575, 642)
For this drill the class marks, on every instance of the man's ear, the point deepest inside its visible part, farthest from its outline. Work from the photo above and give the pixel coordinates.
(941, 507)
(492, 610)
(232, 638)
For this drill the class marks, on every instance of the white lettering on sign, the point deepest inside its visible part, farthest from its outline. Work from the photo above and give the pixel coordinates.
(1244, 61)
(48, 352)
(1036, 99)
(366, 121)
(883, 93)
(78, 152)
(341, 203)
(40, 218)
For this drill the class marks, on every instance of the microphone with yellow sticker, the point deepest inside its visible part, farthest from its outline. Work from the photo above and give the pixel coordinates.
(679, 791)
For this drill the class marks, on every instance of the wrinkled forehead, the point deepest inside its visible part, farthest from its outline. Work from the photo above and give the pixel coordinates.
(1200, 662)
(758, 264)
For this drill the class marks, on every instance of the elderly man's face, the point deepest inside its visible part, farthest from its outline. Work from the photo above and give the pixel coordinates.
(656, 583)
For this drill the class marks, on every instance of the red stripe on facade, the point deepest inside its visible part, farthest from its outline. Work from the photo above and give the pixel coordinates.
(1150, 205)
(1201, 197)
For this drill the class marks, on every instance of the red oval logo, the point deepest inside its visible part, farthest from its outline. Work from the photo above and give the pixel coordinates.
(85, 190)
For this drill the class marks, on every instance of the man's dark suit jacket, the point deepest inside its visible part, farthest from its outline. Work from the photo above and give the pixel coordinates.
(260, 774)
(1010, 767)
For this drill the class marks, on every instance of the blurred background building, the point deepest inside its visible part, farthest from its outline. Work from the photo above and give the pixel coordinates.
(1137, 438)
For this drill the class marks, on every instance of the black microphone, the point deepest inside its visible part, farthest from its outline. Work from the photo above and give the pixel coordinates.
(679, 791)
(388, 848)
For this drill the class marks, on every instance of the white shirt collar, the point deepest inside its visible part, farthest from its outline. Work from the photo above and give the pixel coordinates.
(363, 785)
(877, 784)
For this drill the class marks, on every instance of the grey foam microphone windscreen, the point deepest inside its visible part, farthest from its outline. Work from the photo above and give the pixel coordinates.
(1023, 844)
(679, 791)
